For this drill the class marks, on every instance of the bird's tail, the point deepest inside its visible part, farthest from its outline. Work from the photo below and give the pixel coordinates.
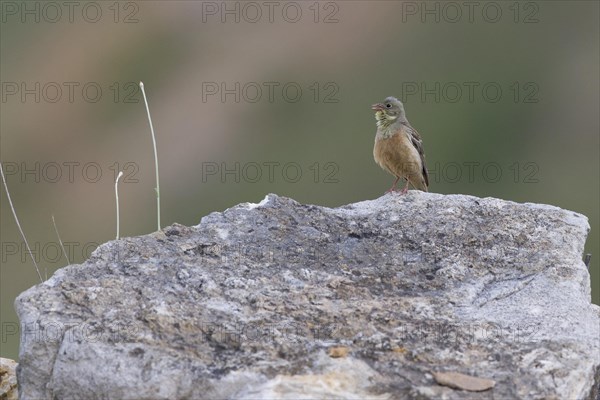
(419, 184)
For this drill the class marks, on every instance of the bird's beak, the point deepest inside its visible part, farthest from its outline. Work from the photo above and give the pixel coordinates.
(378, 107)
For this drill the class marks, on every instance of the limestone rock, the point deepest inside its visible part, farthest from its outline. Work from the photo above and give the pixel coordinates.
(249, 303)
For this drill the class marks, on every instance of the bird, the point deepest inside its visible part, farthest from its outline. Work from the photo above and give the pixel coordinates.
(398, 146)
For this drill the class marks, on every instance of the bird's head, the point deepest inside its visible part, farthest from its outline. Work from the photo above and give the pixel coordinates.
(388, 112)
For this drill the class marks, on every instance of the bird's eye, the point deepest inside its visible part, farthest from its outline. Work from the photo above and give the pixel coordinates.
(388, 105)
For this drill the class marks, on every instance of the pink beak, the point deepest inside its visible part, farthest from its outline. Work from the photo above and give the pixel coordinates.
(378, 107)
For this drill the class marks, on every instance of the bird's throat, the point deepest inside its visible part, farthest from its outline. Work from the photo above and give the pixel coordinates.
(384, 122)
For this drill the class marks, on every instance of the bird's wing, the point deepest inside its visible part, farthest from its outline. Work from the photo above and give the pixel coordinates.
(416, 141)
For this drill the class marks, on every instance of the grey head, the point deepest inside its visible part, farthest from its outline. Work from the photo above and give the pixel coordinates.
(388, 112)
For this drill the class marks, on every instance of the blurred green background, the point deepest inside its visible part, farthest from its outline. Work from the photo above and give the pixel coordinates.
(508, 91)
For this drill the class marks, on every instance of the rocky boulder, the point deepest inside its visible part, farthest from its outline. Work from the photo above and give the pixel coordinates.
(423, 296)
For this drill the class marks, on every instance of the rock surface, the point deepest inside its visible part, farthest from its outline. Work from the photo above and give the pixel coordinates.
(8, 379)
(280, 300)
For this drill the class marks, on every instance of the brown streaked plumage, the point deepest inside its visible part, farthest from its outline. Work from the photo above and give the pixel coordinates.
(398, 146)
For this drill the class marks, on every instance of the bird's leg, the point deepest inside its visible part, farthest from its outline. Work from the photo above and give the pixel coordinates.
(405, 189)
(393, 188)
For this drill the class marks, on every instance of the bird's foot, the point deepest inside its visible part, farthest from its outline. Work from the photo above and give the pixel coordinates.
(400, 192)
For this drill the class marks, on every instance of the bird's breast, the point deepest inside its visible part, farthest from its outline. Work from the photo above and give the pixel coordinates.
(396, 154)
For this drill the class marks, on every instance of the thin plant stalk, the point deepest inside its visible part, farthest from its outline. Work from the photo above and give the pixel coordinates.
(155, 156)
(60, 241)
(18, 224)
(117, 200)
